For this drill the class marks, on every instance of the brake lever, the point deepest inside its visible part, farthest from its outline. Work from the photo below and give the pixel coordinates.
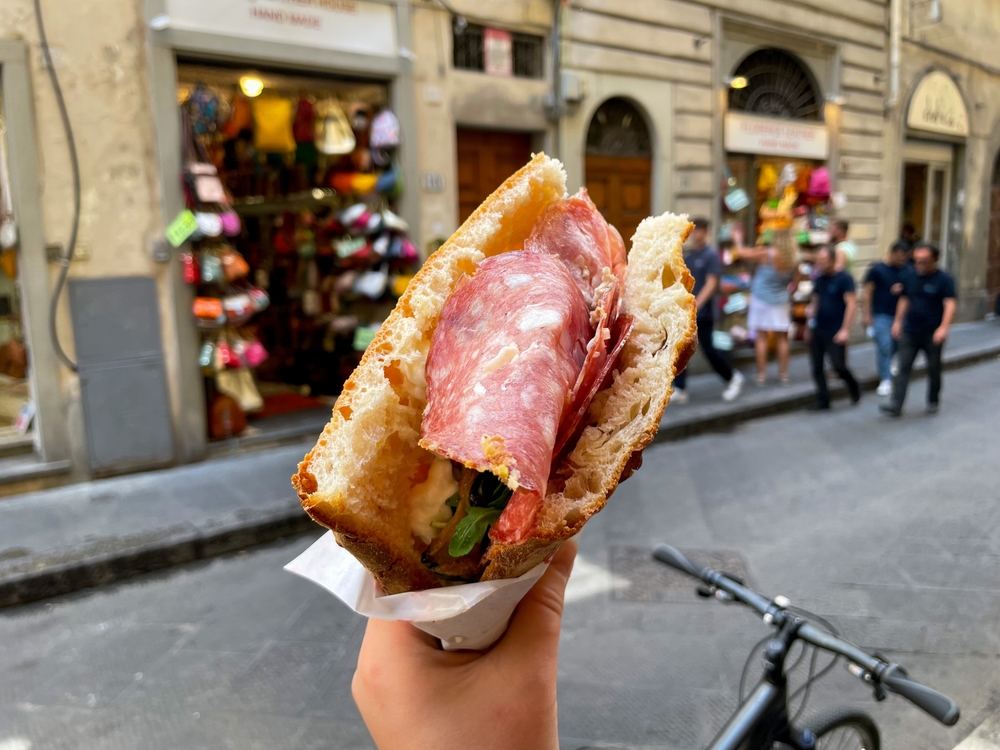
(878, 692)
(713, 592)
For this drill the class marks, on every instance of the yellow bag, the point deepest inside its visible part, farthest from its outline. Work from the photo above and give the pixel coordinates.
(767, 180)
(272, 120)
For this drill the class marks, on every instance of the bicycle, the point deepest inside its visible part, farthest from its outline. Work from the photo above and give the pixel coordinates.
(762, 721)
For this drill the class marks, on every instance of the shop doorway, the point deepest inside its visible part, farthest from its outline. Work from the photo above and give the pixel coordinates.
(926, 193)
(485, 159)
(993, 250)
(17, 407)
(618, 165)
(299, 254)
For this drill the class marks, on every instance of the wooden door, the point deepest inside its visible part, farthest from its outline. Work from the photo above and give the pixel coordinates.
(619, 187)
(485, 159)
(993, 249)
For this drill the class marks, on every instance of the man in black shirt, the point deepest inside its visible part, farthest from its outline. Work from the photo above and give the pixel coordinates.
(832, 307)
(883, 285)
(923, 317)
(706, 268)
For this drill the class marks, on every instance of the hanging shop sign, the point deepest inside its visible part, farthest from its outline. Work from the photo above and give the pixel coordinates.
(937, 106)
(344, 25)
(767, 136)
(498, 53)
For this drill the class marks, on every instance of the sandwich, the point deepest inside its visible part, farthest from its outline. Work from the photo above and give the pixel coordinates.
(516, 382)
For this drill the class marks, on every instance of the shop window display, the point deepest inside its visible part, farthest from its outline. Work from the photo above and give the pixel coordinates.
(16, 405)
(298, 253)
(761, 194)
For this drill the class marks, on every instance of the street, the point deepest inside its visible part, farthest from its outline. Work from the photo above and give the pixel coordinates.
(890, 529)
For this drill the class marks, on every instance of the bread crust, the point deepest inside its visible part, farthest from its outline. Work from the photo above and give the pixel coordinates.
(355, 480)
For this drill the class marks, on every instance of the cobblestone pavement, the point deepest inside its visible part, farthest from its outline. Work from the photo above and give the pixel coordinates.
(889, 528)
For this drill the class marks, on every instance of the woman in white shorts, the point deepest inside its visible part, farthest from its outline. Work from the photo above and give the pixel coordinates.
(769, 306)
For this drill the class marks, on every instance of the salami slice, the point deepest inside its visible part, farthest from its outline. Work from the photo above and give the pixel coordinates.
(574, 230)
(506, 352)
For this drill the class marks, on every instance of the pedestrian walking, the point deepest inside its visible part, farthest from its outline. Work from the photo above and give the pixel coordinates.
(883, 285)
(923, 317)
(847, 251)
(832, 312)
(770, 313)
(706, 268)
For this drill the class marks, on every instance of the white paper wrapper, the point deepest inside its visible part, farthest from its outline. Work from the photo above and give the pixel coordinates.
(466, 616)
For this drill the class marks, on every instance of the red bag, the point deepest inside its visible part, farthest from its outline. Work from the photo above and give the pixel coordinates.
(304, 125)
(226, 419)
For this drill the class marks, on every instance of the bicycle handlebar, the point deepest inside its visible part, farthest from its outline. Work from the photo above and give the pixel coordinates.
(891, 676)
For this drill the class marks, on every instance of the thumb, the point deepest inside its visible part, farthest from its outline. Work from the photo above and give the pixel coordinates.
(538, 617)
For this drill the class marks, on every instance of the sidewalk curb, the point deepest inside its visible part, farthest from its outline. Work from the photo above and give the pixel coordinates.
(799, 397)
(100, 570)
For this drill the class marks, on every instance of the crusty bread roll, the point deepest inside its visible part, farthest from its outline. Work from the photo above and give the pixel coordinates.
(356, 479)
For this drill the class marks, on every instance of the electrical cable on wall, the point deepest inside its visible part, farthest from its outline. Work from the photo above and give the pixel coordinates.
(67, 256)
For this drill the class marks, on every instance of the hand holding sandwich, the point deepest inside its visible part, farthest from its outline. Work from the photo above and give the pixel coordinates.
(412, 694)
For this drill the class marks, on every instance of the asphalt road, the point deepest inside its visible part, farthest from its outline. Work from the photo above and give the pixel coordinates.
(891, 529)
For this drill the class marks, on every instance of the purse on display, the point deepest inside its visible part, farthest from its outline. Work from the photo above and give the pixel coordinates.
(240, 119)
(254, 353)
(333, 132)
(231, 224)
(304, 125)
(372, 284)
(189, 268)
(211, 268)
(226, 419)
(208, 310)
(203, 180)
(209, 224)
(240, 385)
(385, 130)
(350, 246)
(234, 265)
(272, 119)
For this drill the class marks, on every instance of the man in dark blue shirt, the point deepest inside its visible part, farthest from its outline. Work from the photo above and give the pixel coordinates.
(883, 285)
(706, 268)
(923, 317)
(833, 306)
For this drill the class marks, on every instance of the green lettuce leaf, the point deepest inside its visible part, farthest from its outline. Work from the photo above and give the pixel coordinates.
(471, 530)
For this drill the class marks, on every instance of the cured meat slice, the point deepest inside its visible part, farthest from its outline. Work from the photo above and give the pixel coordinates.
(597, 378)
(505, 354)
(574, 230)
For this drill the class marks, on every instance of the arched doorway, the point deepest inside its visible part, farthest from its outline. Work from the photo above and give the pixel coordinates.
(618, 165)
(993, 249)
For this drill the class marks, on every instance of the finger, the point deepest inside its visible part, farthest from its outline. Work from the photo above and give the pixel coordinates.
(538, 617)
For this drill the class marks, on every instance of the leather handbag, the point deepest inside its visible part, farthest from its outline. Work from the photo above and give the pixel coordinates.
(272, 119)
(333, 132)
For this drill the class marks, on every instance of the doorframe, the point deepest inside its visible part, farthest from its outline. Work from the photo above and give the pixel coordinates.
(163, 47)
(935, 156)
(50, 434)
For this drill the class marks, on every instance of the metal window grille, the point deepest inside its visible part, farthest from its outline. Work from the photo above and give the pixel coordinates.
(527, 51)
(468, 48)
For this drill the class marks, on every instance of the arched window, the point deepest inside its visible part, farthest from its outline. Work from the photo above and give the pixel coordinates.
(618, 129)
(778, 84)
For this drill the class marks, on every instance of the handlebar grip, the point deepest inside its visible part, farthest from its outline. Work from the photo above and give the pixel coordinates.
(938, 705)
(673, 557)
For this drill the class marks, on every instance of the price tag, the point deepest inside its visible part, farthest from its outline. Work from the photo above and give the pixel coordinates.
(181, 228)
(363, 336)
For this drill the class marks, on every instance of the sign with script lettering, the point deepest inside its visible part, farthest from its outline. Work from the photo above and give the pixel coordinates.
(344, 25)
(768, 136)
(498, 53)
(937, 106)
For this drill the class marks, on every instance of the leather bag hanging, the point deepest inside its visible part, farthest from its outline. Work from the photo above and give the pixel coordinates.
(333, 133)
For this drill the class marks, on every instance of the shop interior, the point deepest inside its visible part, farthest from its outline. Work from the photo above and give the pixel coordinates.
(760, 194)
(926, 192)
(16, 405)
(297, 253)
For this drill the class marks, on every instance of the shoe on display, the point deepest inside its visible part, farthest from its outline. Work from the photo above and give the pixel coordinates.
(933, 408)
(680, 396)
(818, 407)
(734, 387)
(890, 411)
(884, 388)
